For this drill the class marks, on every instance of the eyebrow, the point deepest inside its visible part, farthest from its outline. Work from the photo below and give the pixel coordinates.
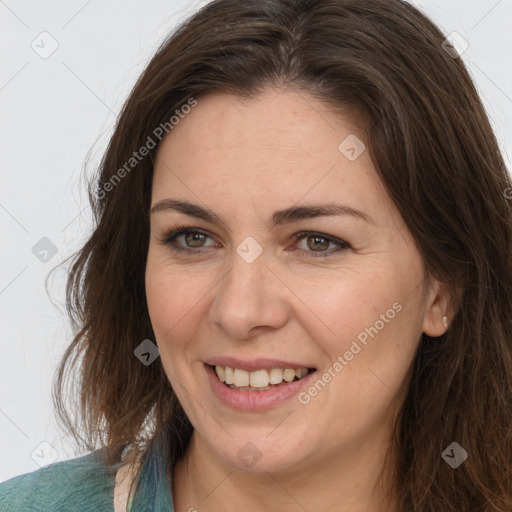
(279, 217)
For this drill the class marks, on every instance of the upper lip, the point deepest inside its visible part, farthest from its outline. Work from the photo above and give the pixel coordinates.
(255, 364)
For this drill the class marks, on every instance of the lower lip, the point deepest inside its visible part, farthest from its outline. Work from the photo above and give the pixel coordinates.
(254, 400)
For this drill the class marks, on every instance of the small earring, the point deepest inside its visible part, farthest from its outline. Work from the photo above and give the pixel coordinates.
(445, 321)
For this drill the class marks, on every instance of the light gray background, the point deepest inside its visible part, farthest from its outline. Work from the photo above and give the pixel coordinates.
(54, 110)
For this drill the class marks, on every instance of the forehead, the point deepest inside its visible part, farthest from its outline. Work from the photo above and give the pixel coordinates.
(280, 146)
(275, 120)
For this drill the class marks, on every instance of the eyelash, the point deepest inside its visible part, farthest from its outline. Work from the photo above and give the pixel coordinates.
(171, 236)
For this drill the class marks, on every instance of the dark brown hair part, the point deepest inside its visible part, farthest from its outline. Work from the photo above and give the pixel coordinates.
(433, 147)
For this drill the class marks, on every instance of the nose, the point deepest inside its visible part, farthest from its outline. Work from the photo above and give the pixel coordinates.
(250, 300)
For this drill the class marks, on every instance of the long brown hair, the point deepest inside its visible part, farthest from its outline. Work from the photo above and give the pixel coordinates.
(435, 151)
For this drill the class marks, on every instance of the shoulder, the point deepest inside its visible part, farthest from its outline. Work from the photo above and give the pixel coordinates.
(81, 484)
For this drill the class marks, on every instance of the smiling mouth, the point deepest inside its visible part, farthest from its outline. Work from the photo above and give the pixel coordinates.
(259, 380)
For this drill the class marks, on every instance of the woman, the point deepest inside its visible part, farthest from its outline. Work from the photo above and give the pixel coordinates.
(297, 292)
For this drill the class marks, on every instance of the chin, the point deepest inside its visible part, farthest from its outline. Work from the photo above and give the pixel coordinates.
(261, 453)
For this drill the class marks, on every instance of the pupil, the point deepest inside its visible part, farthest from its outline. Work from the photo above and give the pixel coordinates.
(317, 242)
(193, 238)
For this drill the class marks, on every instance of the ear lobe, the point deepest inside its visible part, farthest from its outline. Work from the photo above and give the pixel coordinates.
(439, 311)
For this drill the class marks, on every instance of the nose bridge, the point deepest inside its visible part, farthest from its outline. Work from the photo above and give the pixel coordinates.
(247, 280)
(248, 296)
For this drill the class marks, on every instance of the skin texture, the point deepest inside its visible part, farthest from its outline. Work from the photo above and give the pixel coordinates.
(244, 160)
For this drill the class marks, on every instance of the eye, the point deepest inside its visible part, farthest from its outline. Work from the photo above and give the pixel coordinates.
(192, 238)
(188, 240)
(318, 243)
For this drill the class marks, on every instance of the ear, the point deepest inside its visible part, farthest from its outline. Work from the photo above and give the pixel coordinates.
(439, 306)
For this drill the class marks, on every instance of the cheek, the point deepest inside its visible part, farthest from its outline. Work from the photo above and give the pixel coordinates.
(371, 319)
(165, 311)
(340, 305)
(161, 302)
(377, 340)
(175, 299)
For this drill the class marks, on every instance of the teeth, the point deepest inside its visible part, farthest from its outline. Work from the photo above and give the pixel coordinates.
(228, 375)
(240, 378)
(258, 379)
(289, 375)
(221, 373)
(276, 376)
(302, 372)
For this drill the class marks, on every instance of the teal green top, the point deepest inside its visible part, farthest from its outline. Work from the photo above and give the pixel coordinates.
(86, 484)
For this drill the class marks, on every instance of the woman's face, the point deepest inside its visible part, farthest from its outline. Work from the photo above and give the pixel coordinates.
(294, 258)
